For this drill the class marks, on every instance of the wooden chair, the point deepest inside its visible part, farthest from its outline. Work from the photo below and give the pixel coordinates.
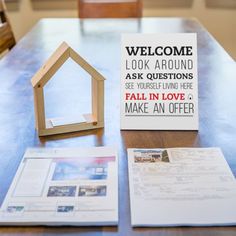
(110, 8)
(7, 39)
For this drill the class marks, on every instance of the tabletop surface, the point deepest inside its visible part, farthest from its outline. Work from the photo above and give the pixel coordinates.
(98, 41)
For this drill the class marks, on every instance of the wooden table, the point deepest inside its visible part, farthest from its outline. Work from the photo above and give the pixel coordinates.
(98, 41)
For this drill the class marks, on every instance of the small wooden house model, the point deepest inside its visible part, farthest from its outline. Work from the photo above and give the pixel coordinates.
(91, 121)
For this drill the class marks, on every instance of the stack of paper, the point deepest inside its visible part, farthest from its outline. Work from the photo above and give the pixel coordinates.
(181, 186)
(64, 187)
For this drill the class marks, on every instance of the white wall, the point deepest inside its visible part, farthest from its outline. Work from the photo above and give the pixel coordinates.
(220, 21)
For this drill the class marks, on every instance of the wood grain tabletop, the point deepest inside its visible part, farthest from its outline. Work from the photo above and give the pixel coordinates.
(99, 42)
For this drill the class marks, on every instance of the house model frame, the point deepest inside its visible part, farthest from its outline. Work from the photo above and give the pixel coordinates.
(45, 73)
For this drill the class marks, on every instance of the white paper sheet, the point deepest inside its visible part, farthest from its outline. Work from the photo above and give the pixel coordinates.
(181, 186)
(69, 186)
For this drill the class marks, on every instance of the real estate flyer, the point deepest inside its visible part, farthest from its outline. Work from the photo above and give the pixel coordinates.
(181, 186)
(64, 186)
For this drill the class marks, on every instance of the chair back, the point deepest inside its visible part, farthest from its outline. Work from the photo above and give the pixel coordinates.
(110, 8)
(7, 39)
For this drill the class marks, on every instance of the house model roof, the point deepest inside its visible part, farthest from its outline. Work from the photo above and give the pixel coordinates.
(58, 58)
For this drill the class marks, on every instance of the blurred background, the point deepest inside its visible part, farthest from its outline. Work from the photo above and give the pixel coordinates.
(217, 16)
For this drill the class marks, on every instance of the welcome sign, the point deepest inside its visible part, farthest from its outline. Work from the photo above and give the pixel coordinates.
(159, 85)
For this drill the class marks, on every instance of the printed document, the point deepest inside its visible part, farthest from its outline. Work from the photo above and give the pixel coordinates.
(64, 186)
(181, 187)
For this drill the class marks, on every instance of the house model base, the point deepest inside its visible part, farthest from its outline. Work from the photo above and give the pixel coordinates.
(87, 123)
(62, 125)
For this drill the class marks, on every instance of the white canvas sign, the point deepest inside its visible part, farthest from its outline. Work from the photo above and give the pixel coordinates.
(159, 85)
